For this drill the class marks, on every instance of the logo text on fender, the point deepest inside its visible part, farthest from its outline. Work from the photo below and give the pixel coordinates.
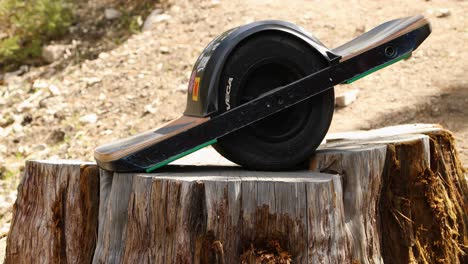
(228, 94)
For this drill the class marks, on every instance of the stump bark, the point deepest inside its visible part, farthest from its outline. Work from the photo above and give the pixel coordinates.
(393, 195)
(55, 215)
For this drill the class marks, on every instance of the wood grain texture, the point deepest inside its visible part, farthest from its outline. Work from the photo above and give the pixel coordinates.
(422, 210)
(212, 216)
(55, 214)
(361, 168)
(423, 206)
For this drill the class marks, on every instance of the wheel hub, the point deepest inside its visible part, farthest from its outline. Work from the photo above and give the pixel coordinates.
(259, 79)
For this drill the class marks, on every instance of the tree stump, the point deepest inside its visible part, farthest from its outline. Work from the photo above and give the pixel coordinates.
(55, 214)
(213, 215)
(422, 210)
(393, 195)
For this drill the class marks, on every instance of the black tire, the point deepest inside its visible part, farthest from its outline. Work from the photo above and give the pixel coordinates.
(289, 137)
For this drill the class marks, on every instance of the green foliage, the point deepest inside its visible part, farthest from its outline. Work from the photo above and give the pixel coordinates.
(29, 24)
(6, 174)
(131, 22)
(9, 46)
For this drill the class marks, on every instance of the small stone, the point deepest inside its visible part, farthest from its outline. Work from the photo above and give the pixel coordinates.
(155, 17)
(6, 120)
(106, 132)
(40, 84)
(10, 75)
(24, 107)
(103, 55)
(6, 228)
(11, 197)
(17, 128)
(89, 119)
(39, 147)
(346, 98)
(92, 80)
(159, 66)
(54, 90)
(102, 97)
(435, 111)
(51, 53)
(215, 3)
(164, 50)
(56, 136)
(112, 13)
(182, 88)
(360, 29)
(149, 109)
(27, 119)
(4, 133)
(443, 12)
(3, 171)
(175, 9)
(3, 149)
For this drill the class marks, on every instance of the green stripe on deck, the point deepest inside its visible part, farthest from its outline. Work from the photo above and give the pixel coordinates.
(388, 63)
(178, 156)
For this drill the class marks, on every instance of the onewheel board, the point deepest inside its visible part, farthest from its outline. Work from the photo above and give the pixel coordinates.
(263, 95)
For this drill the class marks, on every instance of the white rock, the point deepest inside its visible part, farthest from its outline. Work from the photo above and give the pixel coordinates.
(40, 84)
(175, 9)
(10, 75)
(443, 12)
(24, 150)
(89, 119)
(11, 197)
(346, 98)
(360, 29)
(5, 229)
(4, 133)
(156, 16)
(3, 148)
(92, 80)
(149, 109)
(17, 128)
(51, 53)
(39, 147)
(215, 3)
(182, 88)
(54, 90)
(103, 55)
(112, 13)
(106, 132)
(159, 66)
(24, 106)
(164, 50)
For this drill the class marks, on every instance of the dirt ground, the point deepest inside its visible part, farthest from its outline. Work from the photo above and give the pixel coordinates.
(142, 83)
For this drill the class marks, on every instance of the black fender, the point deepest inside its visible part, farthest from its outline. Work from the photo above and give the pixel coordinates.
(202, 95)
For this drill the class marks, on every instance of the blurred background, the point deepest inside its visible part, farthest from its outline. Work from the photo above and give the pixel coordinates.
(76, 74)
